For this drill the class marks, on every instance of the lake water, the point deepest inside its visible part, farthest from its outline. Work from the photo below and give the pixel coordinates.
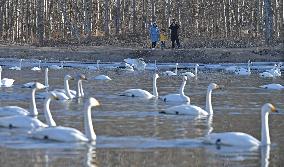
(131, 132)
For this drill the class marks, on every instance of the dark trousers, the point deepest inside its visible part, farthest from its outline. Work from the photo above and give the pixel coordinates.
(163, 44)
(154, 44)
(173, 42)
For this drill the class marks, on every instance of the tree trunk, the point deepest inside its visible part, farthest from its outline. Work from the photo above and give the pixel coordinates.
(268, 21)
(40, 26)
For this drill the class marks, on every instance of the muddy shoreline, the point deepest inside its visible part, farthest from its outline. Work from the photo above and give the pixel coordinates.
(117, 54)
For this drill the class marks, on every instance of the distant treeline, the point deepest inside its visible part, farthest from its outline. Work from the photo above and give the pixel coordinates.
(81, 21)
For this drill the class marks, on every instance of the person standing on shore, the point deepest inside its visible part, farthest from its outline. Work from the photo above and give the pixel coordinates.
(174, 27)
(154, 35)
(163, 38)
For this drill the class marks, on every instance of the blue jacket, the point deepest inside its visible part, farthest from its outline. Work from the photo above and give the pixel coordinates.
(154, 34)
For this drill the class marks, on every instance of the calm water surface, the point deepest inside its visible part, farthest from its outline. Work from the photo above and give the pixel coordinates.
(131, 132)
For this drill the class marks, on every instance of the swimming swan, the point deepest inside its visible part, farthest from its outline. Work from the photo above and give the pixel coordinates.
(187, 109)
(143, 93)
(190, 74)
(6, 82)
(102, 77)
(37, 68)
(24, 121)
(93, 67)
(30, 84)
(181, 97)
(67, 134)
(243, 139)
(273, 86)
(15, 110)
(17, 67)
(170, 73)
(62, 94)
(243, 71)
(57, 67)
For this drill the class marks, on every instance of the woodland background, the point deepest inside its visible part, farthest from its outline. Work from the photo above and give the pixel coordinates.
(204, 23)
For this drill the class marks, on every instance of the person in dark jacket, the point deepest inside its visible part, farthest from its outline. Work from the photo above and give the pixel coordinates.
(174, 27)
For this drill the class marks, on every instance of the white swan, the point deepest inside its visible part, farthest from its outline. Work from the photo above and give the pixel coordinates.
(23, 121)
(73, 93)
(187, 109)
(102, 77)
(30, 84)
(15, 110)
(67, 134)
(181, 97)
(62, 94)
(190, 74)
(93, 67)
(57, 67)
(243, 139)
(273, 86)
(65, 94)
(266, 75)
(17, 67)
(6, 82)
(138, 64)
(244, 71)
(231, 68)
(155, 68)
(37, 68)
(170, 73)
(275, 71)
(143, 93)
(80, 91)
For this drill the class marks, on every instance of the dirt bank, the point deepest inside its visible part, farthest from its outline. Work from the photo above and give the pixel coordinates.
(117, 54)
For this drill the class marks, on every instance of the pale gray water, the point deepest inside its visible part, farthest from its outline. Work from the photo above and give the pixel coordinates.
(131, 132)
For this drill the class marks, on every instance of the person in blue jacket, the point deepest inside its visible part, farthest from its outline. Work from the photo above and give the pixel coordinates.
(154, 35)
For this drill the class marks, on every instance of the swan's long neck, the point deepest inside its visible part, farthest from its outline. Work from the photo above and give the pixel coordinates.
(81, 89)
(181, 90)
(249, 67)
(39, 64)
(47, 114)
(98, 66)
(46, 77)
(265, 138)
(33, 108)
(89, 129)
(66, 88)
(78, 93)
(21, 64)
(155, 90)
(176, 70)
(209, 108)
(195, 72)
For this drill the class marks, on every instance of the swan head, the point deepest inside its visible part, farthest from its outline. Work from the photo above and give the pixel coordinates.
(68, 77)
(196, 65)
(184, 78)
(92, 102)
(81, 77)
(268, 108)
(156, 75)
(213, 86)
(38, 86)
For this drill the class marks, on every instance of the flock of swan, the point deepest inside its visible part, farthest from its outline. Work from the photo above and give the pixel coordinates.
(17, 117)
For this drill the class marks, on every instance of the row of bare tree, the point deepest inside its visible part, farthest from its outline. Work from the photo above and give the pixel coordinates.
(39, 21)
